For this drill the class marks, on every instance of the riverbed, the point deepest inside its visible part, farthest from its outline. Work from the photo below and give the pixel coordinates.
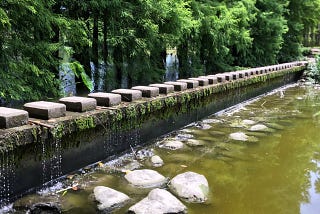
(275, 169)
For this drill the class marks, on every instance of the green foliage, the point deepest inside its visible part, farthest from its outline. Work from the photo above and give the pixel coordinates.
(313, 72)
(79, 72)
(131, 39)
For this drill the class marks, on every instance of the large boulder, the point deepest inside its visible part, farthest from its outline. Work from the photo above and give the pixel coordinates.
(158, 201)
(108, 198)
(190, 186)
(145, 178)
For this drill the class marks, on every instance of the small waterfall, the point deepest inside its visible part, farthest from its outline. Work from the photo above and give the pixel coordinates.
(7, 176)
(51, 162)
(99, 83)
(172, 66)
(67, 77)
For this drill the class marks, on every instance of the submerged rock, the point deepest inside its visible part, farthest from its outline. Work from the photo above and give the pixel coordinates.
(145, 178)
(109, 198)
(217, 133)
(248, 122)
(240, 136)
(190, 186)
(275, 126)
(173, 145)
(158, 201)
(258, 127)
(156, 161)
(49, 204)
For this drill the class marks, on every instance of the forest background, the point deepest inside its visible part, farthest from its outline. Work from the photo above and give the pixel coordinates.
(131, 39)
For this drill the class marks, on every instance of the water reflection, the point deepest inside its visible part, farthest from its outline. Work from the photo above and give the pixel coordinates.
(278, 173)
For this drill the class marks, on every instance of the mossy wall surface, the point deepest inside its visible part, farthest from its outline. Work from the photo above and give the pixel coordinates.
(130, 115)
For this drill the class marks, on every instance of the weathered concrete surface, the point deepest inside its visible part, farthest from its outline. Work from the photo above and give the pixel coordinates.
(128, 95)
(106, 99)
(159, 201)
(108, 198)
(202, 81)
(10, 117)
(147, 91)
(190, 83)
(235, 75)
(45, 110)
(211, 79)
(220, 78)
(163, 88)
(79, 104)
(178, 86)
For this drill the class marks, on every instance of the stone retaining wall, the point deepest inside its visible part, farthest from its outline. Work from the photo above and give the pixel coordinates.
(133, 113)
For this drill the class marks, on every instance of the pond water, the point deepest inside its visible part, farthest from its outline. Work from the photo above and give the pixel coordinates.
(276, 171)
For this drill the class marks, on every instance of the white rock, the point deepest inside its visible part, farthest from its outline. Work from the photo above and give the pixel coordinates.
(145, 178)
(190, 186)
(248, 122)
(156, 161)
(109, 198)
(240, 136)
(173, 145)
(258, 127)
(158, 201)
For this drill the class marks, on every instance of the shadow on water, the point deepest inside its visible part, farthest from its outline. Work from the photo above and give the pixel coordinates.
(35, 166)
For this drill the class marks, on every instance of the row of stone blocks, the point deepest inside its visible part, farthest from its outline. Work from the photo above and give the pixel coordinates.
(46, 110)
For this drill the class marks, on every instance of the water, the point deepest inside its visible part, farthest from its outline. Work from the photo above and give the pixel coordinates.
(279, 173)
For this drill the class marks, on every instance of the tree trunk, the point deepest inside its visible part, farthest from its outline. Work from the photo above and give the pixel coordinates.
(105, 36)
(118, 63)
(184, 66)
(95, 49)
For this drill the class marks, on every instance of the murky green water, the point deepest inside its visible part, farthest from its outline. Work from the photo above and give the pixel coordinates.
(279, 173)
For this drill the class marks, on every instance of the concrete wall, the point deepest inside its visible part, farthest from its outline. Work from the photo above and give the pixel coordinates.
(127, 115)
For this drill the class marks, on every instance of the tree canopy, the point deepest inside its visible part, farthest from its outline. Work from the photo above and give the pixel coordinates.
(130, 38)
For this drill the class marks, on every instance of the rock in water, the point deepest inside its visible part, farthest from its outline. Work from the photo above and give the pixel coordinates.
(193, 142)
(173, 145)
(240, 136)
(156, 161)
(248, 122)
(145, 178)
(109, 198)
(190, 186)
(158, 201)
(258, 127)
(38, 204)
